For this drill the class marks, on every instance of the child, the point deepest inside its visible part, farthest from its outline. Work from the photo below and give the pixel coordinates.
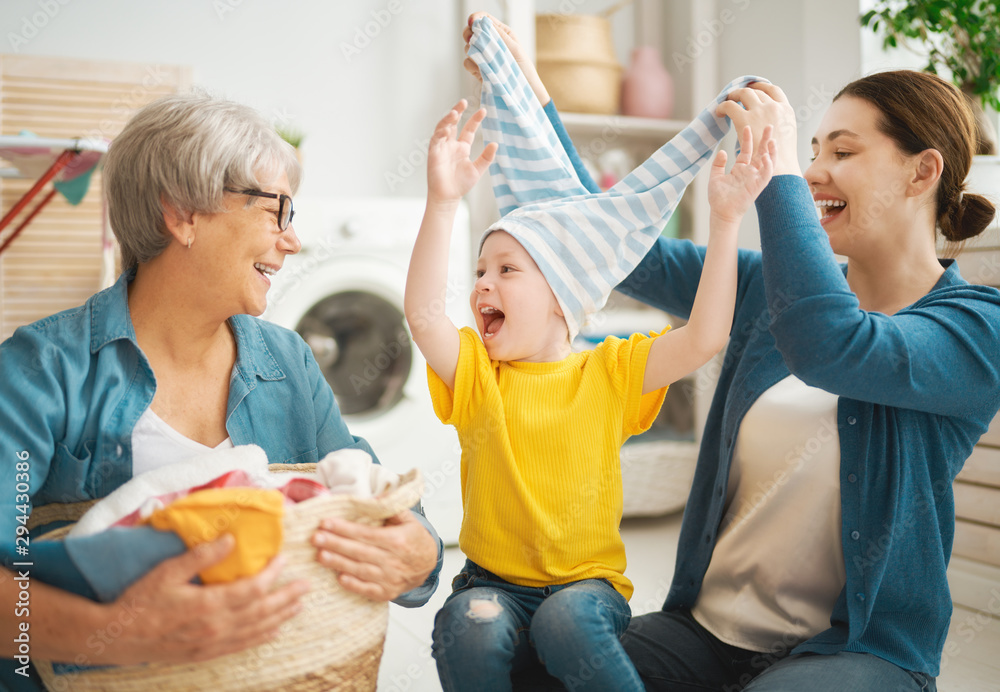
(541, 427)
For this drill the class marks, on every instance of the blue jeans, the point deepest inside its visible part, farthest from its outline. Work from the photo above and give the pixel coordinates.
(672, 651)
(489, 628)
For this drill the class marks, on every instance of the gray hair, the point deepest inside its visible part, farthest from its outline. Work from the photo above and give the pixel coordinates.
(183, 150)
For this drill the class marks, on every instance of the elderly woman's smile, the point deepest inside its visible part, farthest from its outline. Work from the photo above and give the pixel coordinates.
(237, 251)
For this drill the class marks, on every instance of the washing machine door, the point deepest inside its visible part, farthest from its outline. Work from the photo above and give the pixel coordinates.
(361, 344)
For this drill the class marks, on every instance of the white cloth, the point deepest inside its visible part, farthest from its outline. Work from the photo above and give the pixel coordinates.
(351, 471)
(156, 444)
(772, 583)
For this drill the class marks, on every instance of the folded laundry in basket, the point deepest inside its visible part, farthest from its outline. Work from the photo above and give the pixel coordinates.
(233, 503)
(251, 515)
(110, 533)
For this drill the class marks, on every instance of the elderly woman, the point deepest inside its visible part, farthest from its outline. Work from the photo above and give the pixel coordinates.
(164, 365)
(816, 537)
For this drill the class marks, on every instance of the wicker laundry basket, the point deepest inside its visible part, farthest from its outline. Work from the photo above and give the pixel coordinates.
(656, 476)
(576, 62)
(334, 643)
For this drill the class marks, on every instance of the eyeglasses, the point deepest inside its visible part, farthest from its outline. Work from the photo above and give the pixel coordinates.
(285, 210)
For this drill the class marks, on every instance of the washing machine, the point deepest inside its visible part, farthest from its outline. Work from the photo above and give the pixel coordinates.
(343, 293)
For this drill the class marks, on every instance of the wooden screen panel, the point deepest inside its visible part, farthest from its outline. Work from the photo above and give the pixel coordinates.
(977, 507)
(977, 541)
(56, 261)
(983, 467)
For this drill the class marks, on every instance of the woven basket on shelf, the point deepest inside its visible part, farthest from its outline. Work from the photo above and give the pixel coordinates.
(334, 643)
(656, 476)
(576, 61)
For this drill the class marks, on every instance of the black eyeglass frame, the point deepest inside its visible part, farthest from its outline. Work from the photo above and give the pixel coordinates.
(282, 200)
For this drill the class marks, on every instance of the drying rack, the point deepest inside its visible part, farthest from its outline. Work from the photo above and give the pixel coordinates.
(48, 160)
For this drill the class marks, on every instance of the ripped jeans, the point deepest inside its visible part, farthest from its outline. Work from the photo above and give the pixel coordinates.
(489, 628)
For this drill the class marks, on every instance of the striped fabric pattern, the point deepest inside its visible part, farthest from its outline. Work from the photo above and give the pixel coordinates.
(584, 243)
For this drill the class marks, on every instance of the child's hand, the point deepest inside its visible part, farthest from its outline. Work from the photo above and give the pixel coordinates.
(731, 195)
(514, 46)
(450, 171)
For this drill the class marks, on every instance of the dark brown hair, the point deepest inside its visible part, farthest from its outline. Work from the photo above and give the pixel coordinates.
(921, 111)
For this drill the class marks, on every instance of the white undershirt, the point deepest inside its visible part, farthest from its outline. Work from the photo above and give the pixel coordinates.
(156, 444)
(778, 565)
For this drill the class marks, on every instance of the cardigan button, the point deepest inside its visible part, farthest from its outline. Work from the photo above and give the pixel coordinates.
(851, 420)
(860, 596)
(855, 535)
(852, 478)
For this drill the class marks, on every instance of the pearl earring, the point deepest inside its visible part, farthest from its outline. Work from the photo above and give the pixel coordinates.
(190, 240)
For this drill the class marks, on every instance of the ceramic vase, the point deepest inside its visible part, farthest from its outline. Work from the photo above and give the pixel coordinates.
(647, 89)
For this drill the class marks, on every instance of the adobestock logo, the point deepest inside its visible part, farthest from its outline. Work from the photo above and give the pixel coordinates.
(31, 25)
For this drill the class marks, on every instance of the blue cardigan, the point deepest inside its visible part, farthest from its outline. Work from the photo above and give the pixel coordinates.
(916, 389)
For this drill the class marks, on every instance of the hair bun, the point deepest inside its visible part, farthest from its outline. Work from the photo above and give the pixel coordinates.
(967, 216)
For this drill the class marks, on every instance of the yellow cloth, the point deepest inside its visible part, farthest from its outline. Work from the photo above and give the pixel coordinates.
(541, 472)
(252, 515)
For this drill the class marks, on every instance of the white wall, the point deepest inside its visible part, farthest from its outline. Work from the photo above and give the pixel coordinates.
(361, 111)
(811, 49)
(874, 58)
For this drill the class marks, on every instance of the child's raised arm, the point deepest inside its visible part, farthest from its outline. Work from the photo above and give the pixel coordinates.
(450, 175)
(683, 350)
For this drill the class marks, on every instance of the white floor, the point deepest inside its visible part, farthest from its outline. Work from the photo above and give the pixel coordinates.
(651, 545)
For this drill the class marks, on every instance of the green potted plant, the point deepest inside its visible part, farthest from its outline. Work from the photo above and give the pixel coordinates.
(293, 136)
(959, 38)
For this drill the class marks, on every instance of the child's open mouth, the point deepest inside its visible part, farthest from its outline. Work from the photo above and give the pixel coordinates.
(492, 321)
(830, 208)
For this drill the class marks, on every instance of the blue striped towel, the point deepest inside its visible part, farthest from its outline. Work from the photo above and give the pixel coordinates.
(584, 243)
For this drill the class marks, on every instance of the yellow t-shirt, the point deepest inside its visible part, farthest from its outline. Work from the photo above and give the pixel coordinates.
(541, 472)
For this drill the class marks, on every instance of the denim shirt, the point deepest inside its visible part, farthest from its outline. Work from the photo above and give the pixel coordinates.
(72, 387)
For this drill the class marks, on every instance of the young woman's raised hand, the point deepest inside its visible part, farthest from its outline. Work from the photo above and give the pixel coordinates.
(759, 105)
(730, 195)
(450, 171)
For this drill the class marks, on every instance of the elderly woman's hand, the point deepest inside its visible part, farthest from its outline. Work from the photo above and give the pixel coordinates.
(759, 105)
(514, 46)
(179, 622)
(380, 562)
